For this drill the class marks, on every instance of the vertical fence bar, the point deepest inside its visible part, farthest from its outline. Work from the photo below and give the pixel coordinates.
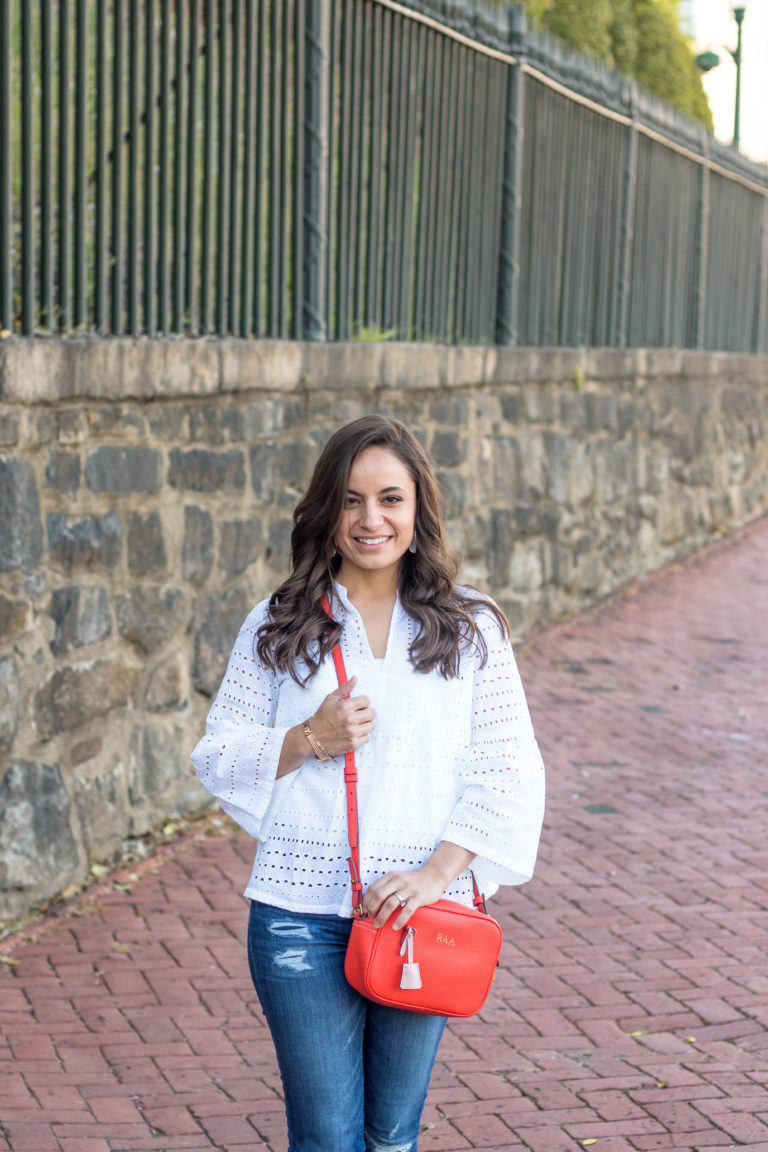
(298, 174)
(208, 143)
(375, 173)
(314, 317)
(760, 343)
(6, 218)
(27, 178)
(508, 306)
(699, 335)
(249, 127)
(223, 192)
(234, 156)
(117, 170)
(261, 179)
(81, 163)
(163, 187)
(100, 240)
(149, 170)
(133, 169)
(177, 273)
(274, 201)
(45, 318)
(626, 243)
(63, 175)
(190, 292)
(288, 128)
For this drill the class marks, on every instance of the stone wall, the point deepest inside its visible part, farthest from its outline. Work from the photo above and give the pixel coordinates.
(146, 492)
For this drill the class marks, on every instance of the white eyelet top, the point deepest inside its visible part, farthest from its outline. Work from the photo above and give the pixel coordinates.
(449, 760)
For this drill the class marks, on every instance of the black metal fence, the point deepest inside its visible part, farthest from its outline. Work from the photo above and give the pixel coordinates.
(358, 169)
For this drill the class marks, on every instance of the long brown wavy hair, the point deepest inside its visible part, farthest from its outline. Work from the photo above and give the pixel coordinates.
(297, 629)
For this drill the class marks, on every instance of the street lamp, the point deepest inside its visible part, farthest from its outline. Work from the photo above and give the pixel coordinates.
(738, 15)
(708, 60)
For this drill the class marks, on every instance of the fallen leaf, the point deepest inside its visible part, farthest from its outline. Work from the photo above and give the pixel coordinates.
(593, 1140)
(690, 1039)
(121, 887)
(637, 1033)
(124, 948)
(98, 870)
(8, 961)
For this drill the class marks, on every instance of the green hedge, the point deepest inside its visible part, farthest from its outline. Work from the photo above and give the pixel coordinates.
(640, 38)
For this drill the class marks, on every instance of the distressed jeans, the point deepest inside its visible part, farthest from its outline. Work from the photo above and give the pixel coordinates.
(355, 1074)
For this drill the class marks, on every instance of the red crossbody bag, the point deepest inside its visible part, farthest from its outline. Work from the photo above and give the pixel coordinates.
(443, 961)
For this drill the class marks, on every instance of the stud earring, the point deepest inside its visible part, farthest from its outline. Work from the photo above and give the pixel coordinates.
(412, 545)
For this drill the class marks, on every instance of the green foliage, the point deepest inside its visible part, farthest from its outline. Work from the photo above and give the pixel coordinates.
(640, 38)
(665, 63)
(585, 24)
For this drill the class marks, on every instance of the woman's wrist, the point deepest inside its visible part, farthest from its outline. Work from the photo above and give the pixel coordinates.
(319, 750)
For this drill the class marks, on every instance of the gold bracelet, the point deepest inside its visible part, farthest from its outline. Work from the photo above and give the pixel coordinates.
(314, 743)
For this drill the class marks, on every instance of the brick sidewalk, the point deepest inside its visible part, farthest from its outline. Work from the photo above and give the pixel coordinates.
(630, 1011)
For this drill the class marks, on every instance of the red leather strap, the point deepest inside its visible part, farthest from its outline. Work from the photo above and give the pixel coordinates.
(350, 778)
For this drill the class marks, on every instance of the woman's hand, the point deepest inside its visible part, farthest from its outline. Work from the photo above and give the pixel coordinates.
(343, 722)
(412, 890)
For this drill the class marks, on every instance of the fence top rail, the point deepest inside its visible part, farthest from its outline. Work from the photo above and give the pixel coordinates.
(503, 36)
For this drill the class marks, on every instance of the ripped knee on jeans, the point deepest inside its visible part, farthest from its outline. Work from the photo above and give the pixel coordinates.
(373, 1145)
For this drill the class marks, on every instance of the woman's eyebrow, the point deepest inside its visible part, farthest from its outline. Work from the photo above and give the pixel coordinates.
(389, 488)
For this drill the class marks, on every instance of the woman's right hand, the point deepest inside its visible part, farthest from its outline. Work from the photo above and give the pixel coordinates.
(343, 721)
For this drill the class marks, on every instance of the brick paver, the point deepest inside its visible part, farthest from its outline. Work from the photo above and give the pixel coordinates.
(630, 1010)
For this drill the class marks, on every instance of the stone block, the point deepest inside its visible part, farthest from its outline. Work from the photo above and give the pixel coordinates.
(292, 463)
(452, 410)
(279, 544)
(9, 702)
(115, 420)
(240, 543)
(100, 803)
(263, 462)
(148, 617)
(119, 470)
(500, 545)
(215, 424)
(268, 365)
(62, 471)
(157, 759)
(95, 541)
(81, 616)
(197, 549)
(269, 415)
(446, 449)
(453, 488)
(167, 687)
(507, 466)
(9, 429)
(37, 847)
(220, 621)
(166, 421)
(14, 616)
(198, 470)
(559, 451)
(21, 533)
(145, 544)
(74, 695)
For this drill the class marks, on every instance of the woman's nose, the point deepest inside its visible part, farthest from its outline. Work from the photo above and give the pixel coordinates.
(371, 514)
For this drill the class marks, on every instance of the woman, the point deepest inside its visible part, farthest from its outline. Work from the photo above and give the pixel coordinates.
(449, 775)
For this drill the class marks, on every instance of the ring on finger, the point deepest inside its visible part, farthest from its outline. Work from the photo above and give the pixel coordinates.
(400, 900)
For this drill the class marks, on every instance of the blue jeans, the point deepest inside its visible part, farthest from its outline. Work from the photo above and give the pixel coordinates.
(355, 1074)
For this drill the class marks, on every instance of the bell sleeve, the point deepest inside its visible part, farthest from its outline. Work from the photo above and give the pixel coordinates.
(501, 806)
(237, 758)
